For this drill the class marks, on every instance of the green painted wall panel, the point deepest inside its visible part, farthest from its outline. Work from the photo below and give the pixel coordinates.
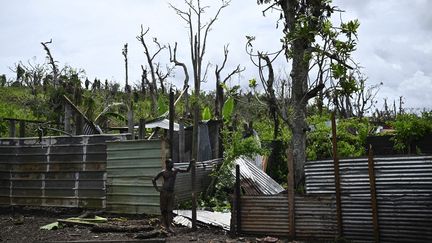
(130, 167)
(131, 189)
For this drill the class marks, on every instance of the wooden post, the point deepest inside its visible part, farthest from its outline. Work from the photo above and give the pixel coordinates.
(171, 123)
(374, 206)
(12, 128)
(21, 129)
(141, 130)
(130, 118)
(181, 141)
(194, 196)
(291, 194)
(337, 178)
(67, 118)
(237, 200)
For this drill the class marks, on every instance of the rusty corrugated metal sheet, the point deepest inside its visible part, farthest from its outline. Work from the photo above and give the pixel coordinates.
(255, 181)
(404, 196)
(315, 217)
(264, 215)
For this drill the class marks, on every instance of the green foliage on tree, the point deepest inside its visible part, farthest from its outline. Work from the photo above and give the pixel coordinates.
(228, 109)
(206, 114)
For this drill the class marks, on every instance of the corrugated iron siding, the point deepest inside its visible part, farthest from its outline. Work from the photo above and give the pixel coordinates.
(58, 171)
(404, 196)
(264, 214)
(315, 217)
(183, 185)
(130, 167)
(268, 215)
(254, 181)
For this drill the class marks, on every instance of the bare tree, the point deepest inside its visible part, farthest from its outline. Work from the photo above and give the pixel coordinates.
(173, 59)
(198, 33)
(124, 53)
(154, 68)
(220, 83)
(355, 101)
(51, 61)
(30, 74)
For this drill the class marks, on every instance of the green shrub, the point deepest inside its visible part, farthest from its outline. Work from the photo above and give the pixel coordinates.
(351, 134)
(410, 128)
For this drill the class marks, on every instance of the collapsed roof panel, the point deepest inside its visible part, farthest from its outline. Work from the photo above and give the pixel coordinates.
(254, 181)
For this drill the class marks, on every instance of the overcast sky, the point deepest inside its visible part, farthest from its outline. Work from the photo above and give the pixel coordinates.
(395, 39)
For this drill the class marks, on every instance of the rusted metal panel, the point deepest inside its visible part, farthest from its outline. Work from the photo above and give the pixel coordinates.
(403, 193)
(264, 214)
(315, 217)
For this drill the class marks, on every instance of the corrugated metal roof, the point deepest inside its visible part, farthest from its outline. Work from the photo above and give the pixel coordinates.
(255, 181)
(161, 123)
(218, 219)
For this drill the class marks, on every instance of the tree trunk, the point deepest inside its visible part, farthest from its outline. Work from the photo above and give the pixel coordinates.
(219, 100)
(298, 141)
(298, 124)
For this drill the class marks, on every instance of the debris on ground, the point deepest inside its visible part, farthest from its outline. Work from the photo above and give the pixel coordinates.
(218, 219)
(51, 226)
(268, 239)
(106, 227)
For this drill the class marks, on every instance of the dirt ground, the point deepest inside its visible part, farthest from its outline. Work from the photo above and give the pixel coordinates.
(23, 225)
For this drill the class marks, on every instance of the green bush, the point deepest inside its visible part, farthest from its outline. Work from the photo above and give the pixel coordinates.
(351, 134)
(410, 128)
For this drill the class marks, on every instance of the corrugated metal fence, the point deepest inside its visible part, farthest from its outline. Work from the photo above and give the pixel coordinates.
(130, 167)
(183, 185)
(403, 190)
(268, 215)
(56, 171)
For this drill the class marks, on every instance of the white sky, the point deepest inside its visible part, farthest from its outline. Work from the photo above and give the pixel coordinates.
(395, 39)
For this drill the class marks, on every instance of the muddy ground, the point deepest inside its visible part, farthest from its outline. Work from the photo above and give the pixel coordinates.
(23, 225)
